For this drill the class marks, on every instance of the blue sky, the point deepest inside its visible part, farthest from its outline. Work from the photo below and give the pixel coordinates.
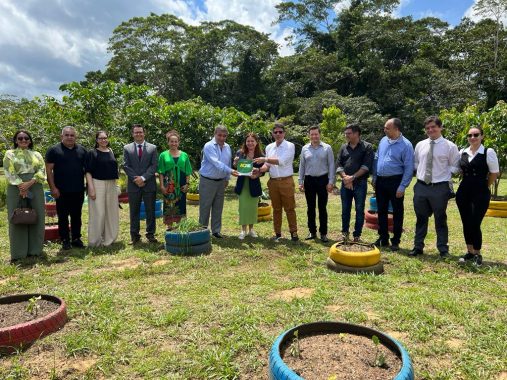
(44, 44)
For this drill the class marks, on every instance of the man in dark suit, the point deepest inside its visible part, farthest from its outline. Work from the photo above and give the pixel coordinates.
(140, 163)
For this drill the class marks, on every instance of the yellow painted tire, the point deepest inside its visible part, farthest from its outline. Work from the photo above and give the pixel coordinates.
(264, 211)
(192, 197)
(264, 218)
(498, 205)
(496, 213)
(354, 259)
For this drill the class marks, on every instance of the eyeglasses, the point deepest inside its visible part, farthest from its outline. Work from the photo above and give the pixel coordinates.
(69, 135)
(21, 138)
(473, 135)
(278, 132)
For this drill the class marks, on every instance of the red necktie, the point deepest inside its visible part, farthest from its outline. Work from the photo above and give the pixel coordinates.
(140, 151)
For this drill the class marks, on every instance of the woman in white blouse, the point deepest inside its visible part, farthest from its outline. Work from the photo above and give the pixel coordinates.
(480, 168)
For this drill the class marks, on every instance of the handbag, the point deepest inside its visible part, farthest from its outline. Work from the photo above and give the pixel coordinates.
(24, 215)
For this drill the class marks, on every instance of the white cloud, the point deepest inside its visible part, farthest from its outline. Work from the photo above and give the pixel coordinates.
(472, 14)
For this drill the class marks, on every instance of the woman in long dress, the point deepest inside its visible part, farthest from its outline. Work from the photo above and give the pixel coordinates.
(174, 170)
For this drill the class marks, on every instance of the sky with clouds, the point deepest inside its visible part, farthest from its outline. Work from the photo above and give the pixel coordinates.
(44, 44)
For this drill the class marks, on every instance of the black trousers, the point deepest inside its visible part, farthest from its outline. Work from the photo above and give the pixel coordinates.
(135, 199)
(69, 205)
(315, 189)
(385, 190)
(472, 199)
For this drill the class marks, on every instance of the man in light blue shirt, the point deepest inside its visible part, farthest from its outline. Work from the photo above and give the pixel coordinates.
(215, 173)
(392, 172)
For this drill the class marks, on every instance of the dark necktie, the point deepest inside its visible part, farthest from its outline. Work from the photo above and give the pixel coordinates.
(140, 151)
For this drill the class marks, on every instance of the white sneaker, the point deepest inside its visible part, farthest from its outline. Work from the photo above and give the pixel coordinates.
(253, 234)
(241, 235)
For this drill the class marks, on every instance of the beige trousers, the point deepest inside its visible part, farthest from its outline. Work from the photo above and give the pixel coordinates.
(103, 214)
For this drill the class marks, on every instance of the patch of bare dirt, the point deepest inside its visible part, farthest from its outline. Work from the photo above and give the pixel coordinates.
(335, 308)
(131, 263)
(161, 262)
(502, 376)
(371, 315)
(290, 294)
(455, 344)
(397, 335)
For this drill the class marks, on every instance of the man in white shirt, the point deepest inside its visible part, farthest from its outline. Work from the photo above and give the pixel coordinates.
(435, 160)
(278, 161)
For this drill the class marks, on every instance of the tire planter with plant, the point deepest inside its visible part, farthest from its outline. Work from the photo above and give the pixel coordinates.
(20, 335)
(189, 238)
(264, 212)
(279, 370)
(497, 209)
(350, 257)
(371, 221)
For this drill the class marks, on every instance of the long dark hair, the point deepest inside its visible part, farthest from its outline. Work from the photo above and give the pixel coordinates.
(257, 151)
(15, 138)
(97, 136)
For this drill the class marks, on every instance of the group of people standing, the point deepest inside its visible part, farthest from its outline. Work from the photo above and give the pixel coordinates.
(391, 168)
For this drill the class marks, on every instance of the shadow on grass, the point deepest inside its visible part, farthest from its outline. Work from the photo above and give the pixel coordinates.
(234, 243)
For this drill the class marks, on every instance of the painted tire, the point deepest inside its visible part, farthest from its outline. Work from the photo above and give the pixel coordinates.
(373, 205)
(193, 203)
(189, 250)
(51, 233)
(354, 259)
(188, 238)
(192, 197)
(23, 334)
(496, 213)
(50, 209)
(47, 195)
(264, 211)
(123, 198)
(498, 205)
(371, 217)
(340, 268)
(278, 370)
(374, 226)
(158, 214)
(264, 218)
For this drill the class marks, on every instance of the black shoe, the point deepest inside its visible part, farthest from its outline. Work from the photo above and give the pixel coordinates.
(478, 260)
(78, 243)
(395, 247)
(444, 255)
(294, 236)
(218, 235)
(152, 239)
(323, 238)
(66, 245)
(415, 252)
(311, 236)
(381, 243)
(467, 257)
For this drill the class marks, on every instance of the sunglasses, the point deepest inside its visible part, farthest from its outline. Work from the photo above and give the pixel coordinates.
(473, 135)
(278, 132)
(21, 138)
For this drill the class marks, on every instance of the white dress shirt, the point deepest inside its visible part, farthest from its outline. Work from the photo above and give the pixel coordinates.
(285, 154)
(445, 159)
(491, 157)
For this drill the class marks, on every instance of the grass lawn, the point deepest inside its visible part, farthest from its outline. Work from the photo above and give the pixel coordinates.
(138, 313)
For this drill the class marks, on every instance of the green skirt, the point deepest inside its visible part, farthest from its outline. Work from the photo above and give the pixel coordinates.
(247, 205)
(26, 240)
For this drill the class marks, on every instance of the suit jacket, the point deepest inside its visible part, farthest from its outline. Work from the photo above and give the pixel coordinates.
(146, 167)
(255, 184)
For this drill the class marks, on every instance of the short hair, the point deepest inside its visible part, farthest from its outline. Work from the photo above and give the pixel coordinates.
(221, 128)
(97, 137)
(478, 128)
(433, 119)
(68, 127)
(313, 128)
(278, 125)
(136, 126)
(15, 138)
(355, 128)
(396, 123)
(172, 133)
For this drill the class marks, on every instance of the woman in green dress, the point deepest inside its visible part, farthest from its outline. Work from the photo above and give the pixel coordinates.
(174, 171)
(248, 187)
(25, 172)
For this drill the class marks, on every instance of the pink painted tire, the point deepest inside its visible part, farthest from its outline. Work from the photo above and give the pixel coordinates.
(23, 335)
(374, 226)
(51, 233)
(50, 209)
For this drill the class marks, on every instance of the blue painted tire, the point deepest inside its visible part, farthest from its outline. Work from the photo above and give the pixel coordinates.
(278, 370)
(158, 214)
(189, 250)
(187, 238)
(373, 205)
(158, 206)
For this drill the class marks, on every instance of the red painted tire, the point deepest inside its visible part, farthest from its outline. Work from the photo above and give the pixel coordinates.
(372, 217)
(50, 209)
(123, 198)
(24, 334)
(51, 233)
(374, 226)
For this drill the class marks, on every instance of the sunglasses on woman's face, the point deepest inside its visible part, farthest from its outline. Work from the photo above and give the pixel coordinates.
(473, 135)
(21, 138)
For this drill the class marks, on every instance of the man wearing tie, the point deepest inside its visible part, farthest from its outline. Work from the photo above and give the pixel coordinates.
(435, 160)
(140, 163)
